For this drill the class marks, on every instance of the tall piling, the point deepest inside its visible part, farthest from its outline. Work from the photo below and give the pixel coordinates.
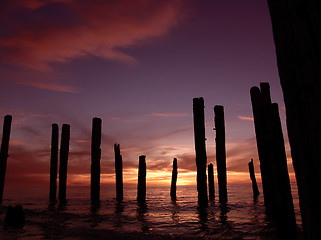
(174, 180)
(141, 188)
(297, 37)
(220, 153)
(53, 162)
(119, 173)
(95, 160)
(211, 189)
(63, 160)
(273, 162)
(4, 151)
(200, 149)
(255, 189)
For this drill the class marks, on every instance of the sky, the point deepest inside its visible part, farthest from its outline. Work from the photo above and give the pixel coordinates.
(137, 65)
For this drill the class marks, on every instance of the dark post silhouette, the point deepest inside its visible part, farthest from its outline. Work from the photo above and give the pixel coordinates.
(141, 188)
(64, 151)
(174, 180)
(220, 153)
(255, 189)
(54, 162)
(95, 159)
(273, 163)
(119, 172)
(200, 149)
(4, 152)
(297, 37)
(211, 189)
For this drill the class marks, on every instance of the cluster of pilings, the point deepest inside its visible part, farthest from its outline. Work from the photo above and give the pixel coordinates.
(273, 162)
(201, 158)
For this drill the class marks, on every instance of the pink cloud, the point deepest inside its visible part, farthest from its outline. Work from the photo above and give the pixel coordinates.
(245, 118)
(168, 115)
(75, 28)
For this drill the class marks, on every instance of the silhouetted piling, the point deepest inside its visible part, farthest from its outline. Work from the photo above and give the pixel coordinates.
(54, 162)
(141, 188)
(4, 151)
(95, 159)
(255, 189)
(174, 180)
(200, 149)
(297, 37)
(119, 173)
(273, 163)
(64, 151)
(211, 189)
(220, 153)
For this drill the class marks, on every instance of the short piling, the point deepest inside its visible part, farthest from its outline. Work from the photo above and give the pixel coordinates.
(174, 180)
(141, 188)
(4, 151)
(54, 162)
(220, 153)
(255, 189)
(200, 149)
(119, 173)
(95, 160)
(211, 188)
(64, 151)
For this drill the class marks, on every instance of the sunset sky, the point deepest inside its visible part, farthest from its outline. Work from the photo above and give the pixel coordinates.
(137, 65)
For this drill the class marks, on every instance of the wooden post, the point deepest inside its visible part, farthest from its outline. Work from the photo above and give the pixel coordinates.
(119, 173)
(4, 152)
(220, 153)
(174, 180)
(297, 31)
(200, 149)
(141, 188)
(95, 159)
(255, 189)
(211, 188)
(64, 151)
(273, 162)
(54, 162)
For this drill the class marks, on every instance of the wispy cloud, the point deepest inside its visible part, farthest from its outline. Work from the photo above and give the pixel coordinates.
(245, 118)
(56, 87)
(169, 115)
(97, 27)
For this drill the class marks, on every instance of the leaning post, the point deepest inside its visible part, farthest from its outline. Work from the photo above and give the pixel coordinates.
(141, 188)
(54, 162)
(119, 172)
(64, 151)
(95, 159)
(255, 189)
(174, 180)
(211, 188)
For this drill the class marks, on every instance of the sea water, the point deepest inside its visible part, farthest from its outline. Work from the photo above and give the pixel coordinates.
(242, 218)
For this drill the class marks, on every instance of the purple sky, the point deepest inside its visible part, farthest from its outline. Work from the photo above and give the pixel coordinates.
(137, 65)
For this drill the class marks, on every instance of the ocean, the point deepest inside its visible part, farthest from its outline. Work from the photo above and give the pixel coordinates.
(158, 218)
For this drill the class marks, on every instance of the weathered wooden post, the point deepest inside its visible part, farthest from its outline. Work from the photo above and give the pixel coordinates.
(4, 151)
(211, 189)
(95, 160)
(119, 173)
(174, 180)
(200, 149)
(297, 31)
(255, 189)
(64, 151)
(141, 188)
(273, 163)
(220, 153)
(54, 162)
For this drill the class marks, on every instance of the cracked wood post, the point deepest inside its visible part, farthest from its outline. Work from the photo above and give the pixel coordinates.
(174, 180)
(200, 149)
(119, 173)
(211, 188)
(54, 162)
(4, 151)
(297, 37)
(255, 189)
(64, 151)
(95, 160)
(141, 187)
(220, 153)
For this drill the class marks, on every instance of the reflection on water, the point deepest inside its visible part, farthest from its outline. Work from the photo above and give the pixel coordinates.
(241, 217)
